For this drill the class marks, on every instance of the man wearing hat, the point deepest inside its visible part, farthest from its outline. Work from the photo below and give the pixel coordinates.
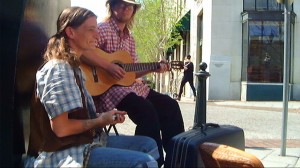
(155, 115)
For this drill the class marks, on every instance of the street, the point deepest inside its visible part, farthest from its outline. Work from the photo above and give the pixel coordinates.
(259, 120)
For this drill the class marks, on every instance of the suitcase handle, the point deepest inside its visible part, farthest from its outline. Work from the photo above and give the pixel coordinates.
(205, 126)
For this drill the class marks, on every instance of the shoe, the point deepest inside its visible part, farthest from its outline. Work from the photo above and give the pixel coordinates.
(178, 98)
(194, 98)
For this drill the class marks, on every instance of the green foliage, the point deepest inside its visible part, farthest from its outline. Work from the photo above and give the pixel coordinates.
(155, 28)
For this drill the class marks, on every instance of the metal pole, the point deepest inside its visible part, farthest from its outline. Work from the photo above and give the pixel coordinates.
(287, 54)
(200, 109)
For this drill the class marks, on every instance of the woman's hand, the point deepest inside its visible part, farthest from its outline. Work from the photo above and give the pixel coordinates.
(112, 117)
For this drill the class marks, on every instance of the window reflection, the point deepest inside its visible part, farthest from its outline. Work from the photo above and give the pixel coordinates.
(249, 5)
(262, 5)
(274, 6)
(265, 59)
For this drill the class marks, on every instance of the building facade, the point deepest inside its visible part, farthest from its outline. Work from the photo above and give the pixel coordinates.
(242, 42)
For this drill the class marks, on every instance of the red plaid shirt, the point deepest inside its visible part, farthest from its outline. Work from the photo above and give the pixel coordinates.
(110, 41)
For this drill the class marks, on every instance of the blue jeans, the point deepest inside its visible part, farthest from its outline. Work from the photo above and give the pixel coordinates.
(125, 151)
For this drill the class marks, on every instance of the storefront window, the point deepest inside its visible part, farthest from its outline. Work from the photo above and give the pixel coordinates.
(266, 46)
(249, 5)
(262, 5)
(274, 6)
(263, 41)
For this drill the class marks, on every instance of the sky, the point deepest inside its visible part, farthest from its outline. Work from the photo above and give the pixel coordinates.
(97, 6)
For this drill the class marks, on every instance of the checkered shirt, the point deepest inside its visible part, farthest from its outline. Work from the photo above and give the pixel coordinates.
(59, 92)
(111, 41)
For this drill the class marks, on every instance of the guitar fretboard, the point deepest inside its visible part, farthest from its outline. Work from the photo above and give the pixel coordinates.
(130, 67)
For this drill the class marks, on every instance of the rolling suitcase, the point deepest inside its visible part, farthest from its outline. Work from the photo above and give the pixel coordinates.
(184, 148)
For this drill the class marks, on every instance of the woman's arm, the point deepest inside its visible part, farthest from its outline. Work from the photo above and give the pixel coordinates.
(63, 126)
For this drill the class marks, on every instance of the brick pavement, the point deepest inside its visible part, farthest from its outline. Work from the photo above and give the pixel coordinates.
(290, 110)
(250, 143)
(257, 143)
(271, 143)
(265, 143)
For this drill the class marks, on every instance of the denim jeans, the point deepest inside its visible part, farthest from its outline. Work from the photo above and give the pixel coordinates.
(125, 151)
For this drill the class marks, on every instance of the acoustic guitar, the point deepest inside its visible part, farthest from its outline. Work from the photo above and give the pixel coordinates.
(98, 80)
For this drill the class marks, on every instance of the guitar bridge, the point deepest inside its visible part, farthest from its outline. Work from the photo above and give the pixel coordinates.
(94, 71)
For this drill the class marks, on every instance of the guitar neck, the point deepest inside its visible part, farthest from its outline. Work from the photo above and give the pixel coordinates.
(131, 67)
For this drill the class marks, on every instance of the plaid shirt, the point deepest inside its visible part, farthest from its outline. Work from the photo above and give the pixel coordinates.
(111, 41)
(59, 92)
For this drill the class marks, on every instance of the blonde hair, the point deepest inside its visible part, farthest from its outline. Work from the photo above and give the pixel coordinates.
(58, 47)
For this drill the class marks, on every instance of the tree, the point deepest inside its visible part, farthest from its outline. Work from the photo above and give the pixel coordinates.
(155, 31)
(155, 28)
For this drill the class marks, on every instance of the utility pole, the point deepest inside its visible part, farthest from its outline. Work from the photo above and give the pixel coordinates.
(286, 71)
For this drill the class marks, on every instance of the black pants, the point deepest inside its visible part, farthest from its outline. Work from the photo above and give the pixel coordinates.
(158, 116)
(183, 82)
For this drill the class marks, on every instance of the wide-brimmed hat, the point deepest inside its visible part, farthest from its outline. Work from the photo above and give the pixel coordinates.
(138, 5)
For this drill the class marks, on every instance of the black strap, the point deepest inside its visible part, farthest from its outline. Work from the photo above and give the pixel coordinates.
(92, 115)
(80, 88)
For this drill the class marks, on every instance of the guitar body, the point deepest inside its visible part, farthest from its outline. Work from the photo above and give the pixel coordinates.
(104, 80)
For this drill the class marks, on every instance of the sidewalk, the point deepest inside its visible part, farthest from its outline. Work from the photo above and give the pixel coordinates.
(293, 105)
(261, 122)
(270, 104)
(271, 157)
(267, 150)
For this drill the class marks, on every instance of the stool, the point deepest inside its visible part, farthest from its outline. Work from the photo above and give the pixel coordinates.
(107, 129)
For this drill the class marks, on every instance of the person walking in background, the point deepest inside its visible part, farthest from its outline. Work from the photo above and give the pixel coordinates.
(156, 115)
(65, 130)
(188, 76)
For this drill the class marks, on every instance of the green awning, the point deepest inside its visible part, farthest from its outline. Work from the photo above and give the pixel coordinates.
(184, 22)
(183, 25)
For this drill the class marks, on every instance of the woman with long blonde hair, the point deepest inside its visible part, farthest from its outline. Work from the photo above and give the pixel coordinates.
(65, 130)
